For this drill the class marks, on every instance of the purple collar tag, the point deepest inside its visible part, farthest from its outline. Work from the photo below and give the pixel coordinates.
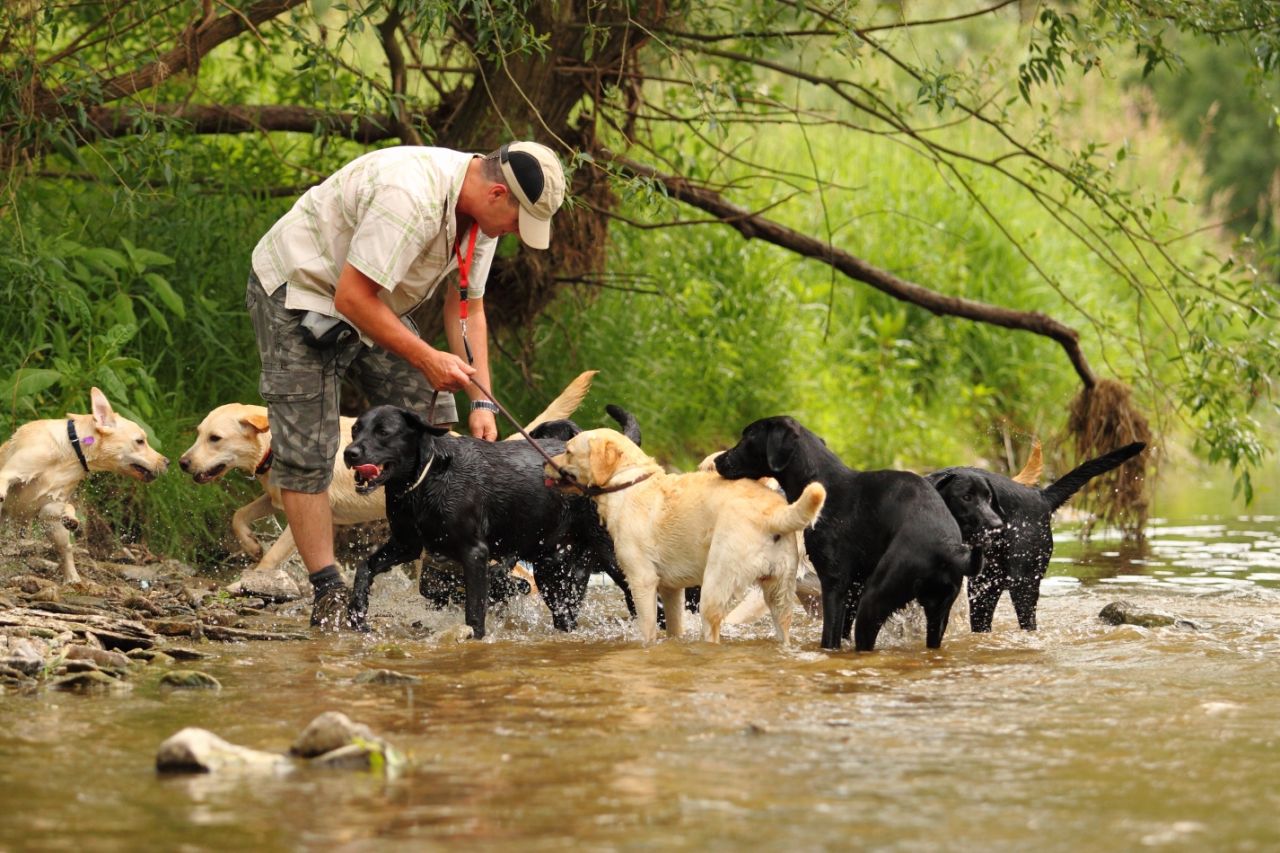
(87, 440)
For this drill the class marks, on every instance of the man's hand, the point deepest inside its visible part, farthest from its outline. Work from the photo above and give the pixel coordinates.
(483, 424)
(445, 371)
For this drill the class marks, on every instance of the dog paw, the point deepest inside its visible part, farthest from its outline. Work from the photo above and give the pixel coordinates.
(71, 523)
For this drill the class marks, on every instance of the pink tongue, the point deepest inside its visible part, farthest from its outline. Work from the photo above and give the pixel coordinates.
(368, 471)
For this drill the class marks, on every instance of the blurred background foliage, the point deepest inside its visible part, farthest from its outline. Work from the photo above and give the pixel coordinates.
(123, 265)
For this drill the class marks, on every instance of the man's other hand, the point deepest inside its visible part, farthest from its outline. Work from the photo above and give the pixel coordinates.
(483, 425)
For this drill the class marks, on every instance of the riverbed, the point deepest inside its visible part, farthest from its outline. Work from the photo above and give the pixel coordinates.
(1081, 736)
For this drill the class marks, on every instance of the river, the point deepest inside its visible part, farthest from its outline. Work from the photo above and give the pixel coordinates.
(1081, 736)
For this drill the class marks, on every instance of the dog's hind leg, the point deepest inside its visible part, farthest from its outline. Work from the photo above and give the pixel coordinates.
(562, 583)
(835, 610)
(936, 599)
(888, 590)
(247, 515)
(475, 576)
(779, 594)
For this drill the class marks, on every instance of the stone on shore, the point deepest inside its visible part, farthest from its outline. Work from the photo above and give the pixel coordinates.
(272, 585)
(189, 679)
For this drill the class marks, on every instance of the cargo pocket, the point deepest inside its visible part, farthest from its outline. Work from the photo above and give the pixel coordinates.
(290, 386)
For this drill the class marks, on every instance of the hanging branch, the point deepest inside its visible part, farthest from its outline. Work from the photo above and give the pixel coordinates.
(754, 226)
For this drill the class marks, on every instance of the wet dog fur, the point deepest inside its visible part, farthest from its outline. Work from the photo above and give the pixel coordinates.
(1017, 547)
(673, 531)
(884, 539)
(473, 501)
(39, 469)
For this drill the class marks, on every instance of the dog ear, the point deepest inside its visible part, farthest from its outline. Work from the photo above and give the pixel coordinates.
(779, 447)
(420, 423)
(943, 481)
(995, 502)
(602, 460)
(104, 417)
(258, 423)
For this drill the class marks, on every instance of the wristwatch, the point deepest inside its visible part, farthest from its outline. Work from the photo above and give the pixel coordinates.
(485, 405)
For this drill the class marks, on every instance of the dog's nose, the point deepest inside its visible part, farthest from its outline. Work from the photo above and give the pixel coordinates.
(351, 456)
(185, 464)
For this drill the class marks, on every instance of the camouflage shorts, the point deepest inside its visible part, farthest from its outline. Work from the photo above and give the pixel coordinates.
(301, 384)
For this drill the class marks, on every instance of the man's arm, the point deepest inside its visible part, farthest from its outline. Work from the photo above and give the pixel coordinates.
(483, 424)
(357, 299)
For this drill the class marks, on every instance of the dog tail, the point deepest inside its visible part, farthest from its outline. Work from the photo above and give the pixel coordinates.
(568, 401)
(1030, 473)
(1058, 493)
(626, 420)
(801, 514)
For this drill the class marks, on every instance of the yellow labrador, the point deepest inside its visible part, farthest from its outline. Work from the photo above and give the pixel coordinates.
(238, 437)
(672, 531)
(44, 461)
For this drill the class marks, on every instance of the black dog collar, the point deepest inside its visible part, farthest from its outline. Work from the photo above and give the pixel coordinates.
(265, 465)
(75, 443)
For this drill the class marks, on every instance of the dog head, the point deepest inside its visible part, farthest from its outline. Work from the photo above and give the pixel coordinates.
(594, 458)
(231, 436)
(389, 445)
(767, 449)
(119, 445)
(972, 502)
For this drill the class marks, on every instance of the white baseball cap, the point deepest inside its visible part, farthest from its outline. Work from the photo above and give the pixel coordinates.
(536, 179)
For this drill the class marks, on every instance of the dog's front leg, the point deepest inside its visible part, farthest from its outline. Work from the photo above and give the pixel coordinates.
(393, 553)
(281, 549)
(673, 604)
(60, 518)
(835, 610)
(475, 575)
(244, 517)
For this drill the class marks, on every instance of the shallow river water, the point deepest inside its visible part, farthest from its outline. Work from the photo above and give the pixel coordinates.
(1082, 736)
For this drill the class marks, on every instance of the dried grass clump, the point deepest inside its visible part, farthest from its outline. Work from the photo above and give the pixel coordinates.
(1101, 419)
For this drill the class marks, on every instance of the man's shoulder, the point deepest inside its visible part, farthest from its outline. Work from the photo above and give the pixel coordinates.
(412, 164)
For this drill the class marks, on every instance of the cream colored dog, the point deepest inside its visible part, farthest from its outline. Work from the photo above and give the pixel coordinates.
(672, 531)
(40, 467)
(238, 437)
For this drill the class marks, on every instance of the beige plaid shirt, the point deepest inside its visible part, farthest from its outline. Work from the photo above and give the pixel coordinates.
(390, 214)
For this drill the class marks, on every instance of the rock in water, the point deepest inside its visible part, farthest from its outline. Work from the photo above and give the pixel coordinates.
(329, 731)
(1125, 613)
(273, 585)
(385, 676)
(195, 750)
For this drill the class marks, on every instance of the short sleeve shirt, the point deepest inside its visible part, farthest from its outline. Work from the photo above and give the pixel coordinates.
(390, 214)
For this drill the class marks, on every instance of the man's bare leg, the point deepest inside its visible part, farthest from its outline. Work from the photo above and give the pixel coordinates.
(311, 520)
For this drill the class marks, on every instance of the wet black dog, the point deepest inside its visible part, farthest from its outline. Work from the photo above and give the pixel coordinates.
(1016, 551)
(884, 537)
(473, 501)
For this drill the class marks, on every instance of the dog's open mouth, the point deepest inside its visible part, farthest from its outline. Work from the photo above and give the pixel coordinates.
(211, 474)
(370, 476)
(142, 472)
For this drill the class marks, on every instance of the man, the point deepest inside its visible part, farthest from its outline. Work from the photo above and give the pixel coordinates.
(365, 248)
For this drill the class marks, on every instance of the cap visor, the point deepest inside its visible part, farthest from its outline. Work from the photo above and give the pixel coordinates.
(534, 232)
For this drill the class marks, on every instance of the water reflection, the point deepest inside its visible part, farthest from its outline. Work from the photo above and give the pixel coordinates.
(1079, 736)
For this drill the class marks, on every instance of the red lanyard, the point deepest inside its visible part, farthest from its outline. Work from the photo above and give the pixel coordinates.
(464, 279)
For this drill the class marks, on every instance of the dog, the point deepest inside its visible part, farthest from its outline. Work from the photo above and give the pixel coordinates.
(1018, 542)
(884, 539)
(238, 437)
(672, 531)
(44, 461)
(473, 501)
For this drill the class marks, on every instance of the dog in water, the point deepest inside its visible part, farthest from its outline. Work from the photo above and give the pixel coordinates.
(884, 539)
(672, 531)
(44, 461)
(1018, 542)
(238, 437)
(473, 501)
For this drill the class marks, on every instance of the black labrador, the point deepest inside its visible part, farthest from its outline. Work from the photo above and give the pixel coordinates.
(884, 537)
(1018, 544)
(472, 501)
